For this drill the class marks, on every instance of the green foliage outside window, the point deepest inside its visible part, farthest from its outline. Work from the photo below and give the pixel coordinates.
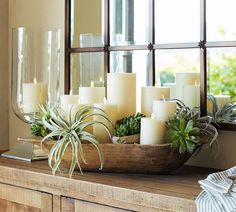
(222, 76)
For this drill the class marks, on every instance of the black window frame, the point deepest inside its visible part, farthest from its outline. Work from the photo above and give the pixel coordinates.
(202, 45)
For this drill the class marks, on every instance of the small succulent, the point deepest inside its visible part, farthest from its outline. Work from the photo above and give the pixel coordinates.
(128, 125)
(187, 130)
(227, 114)
(37, 127)
(72, 133)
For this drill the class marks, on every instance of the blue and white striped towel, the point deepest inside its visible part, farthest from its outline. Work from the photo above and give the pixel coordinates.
(219, 192)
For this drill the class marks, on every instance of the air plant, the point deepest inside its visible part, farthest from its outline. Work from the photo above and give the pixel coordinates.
(187, 130)
(226, 114)
(72, 132)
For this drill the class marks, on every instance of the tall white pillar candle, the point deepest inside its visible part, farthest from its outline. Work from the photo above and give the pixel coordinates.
(149, 94)
(34, 95)
(98, 130)
(185, 79)
(191, 95)
(152, 131)
(121, 90)
(91, 95)
(164, 109)
(172, 89)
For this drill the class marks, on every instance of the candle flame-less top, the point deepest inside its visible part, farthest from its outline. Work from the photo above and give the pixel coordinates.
(92, 84)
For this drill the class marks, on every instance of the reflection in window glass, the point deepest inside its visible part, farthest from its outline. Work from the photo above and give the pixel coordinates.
(180, 71)
(87, 69)
(177, 21)
(132, 62)
(86, 23)
(221, 86)
(221, 72)
(129, 22)
(221, 18)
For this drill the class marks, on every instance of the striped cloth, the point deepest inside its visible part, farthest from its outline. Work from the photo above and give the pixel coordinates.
(219, 192)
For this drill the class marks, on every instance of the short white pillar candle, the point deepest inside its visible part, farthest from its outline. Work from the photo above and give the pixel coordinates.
(121, 90)
(152, 131)
(68, 99)
(222, 100)
(164, 109)
(185, 79)
(91, 95)
(98, 130)
(34, 95)
(149, 94)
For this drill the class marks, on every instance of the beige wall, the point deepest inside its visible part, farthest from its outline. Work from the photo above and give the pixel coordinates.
(33, 13)
(4, 75)
(50, 13)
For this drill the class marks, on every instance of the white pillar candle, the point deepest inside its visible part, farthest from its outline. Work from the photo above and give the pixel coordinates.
(149, 94)
(121, 90)
(222, 100)
(171, 86)
(98, 130)
(66, 100)
(164, 109)
(34, 95)
(152, 131)
(191, 95)
(185, 79)
(91, 95)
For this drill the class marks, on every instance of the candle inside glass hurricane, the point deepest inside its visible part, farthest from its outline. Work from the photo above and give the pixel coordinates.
(34, 95)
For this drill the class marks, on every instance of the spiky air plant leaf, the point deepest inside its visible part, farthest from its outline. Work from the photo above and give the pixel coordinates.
(227, 114)
(72, 132)
(187, 130)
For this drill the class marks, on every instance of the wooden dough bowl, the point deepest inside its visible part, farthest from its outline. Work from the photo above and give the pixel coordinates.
(128, 158)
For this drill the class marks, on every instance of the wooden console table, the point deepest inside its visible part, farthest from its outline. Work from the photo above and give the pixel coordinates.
(31, 187)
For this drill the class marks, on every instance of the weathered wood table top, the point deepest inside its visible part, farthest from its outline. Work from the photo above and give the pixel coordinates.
(174, 192)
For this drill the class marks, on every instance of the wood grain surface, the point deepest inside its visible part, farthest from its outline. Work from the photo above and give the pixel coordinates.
(135, 192)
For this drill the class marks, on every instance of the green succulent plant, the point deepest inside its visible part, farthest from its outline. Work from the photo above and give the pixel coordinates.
(128, 125)
(37, 127)
(72, 133)
(187, 130)
(227, 114)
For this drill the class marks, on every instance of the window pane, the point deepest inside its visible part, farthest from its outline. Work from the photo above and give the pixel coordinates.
(133, 62)
(87, 68)
(180, 71)
(221, 76)
(177, 21)
(129, 22)
(86, 23)
(221, 18)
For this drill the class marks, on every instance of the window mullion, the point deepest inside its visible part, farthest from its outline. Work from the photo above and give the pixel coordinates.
(203, 59)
